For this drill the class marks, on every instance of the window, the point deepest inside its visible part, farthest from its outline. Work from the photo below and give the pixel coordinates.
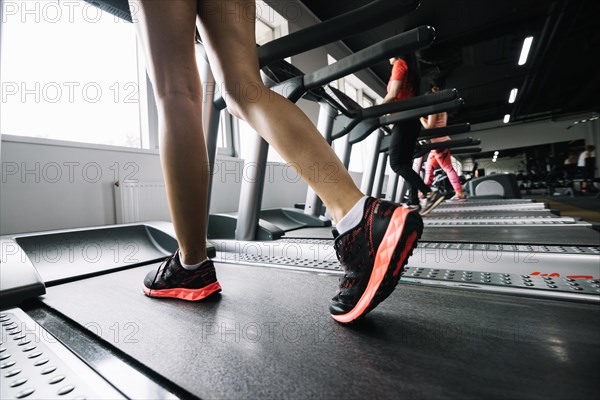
(70, 72)
(264, 32)
(351, 91)
(225, 137)
(356, 89)
(269, 25)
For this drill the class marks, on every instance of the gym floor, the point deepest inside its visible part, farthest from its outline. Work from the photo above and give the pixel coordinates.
(586, 207)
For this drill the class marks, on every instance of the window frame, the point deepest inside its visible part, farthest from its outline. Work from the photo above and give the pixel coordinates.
(280, 29)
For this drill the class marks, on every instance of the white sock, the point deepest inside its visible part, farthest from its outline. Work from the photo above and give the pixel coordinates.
(188, 266)
(353, 217)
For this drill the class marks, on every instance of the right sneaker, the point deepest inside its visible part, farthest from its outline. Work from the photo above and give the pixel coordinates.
(431, 201)
(457, 199)
(373, 255)
(172, 280)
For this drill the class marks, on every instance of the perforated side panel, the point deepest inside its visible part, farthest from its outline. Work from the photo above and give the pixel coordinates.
(33, 364)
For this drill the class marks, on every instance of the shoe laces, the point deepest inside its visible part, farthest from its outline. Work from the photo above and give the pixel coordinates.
(163, 272)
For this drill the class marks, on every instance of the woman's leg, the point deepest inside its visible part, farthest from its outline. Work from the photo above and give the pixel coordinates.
(445, 161)
(413, 179)
(227, 30)
(402, 148)
(166, 30)
(429, 167)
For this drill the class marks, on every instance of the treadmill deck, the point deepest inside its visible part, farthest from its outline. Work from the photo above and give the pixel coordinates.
(269, 335)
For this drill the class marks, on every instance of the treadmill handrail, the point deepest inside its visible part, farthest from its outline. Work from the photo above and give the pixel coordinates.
(343, 103)
(368, 124)
(340, 27)
(445, 131)
(366, 127)
(423, 111)
(410, 103)
(467, 150)
(294, 88)
(422, 149)
(409, 41)
(448, 144)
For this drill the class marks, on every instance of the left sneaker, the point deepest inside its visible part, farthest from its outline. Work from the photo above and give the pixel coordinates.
(431, 201)
(411, 207)
(172, 280)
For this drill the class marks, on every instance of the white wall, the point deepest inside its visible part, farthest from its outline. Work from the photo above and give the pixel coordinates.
(504, 165)
(46, 185)
(530, 134)
(514, 136)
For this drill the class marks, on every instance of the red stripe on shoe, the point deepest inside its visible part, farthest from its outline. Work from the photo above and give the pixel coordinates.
(405, 252)
(185, 294)
(383, 258)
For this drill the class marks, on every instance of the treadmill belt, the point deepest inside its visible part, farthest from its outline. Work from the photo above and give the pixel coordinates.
(492, 214)
(269, 336)
(530, 235)
(562, 236)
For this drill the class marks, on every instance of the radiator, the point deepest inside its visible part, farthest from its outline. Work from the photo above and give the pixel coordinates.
(141, 201)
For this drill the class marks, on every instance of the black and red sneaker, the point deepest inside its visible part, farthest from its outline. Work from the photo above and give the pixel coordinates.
(172, 280)
(373, 255)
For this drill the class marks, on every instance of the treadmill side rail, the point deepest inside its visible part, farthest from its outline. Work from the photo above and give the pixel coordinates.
(34, 260)
(19, 280)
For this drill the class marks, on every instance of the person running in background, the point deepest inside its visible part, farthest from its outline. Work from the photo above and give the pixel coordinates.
(585, 164)
(441, 158)
(404, 83)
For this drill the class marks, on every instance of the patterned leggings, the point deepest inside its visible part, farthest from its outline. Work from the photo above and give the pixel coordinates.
(442, 159)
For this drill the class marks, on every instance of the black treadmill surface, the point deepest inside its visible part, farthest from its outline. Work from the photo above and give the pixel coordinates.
(269, 336)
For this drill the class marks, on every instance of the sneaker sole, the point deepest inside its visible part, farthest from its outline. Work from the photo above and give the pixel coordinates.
(396, 269)
(185, 294)
(391, 244)
(434, 205)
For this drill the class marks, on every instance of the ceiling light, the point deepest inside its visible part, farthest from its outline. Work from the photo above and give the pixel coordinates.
(496, 152)
(493, 160)
(506, 118)
(525, 50)
(513, 95)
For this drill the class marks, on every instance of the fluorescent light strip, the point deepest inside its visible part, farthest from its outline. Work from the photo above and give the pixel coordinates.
(525, 50)
(513, 95)
(506, 118)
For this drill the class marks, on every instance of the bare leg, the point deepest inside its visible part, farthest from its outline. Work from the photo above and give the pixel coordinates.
(166, 29)
(227, 30)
